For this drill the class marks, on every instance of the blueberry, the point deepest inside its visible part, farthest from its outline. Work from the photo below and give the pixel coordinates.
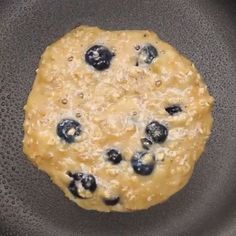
(173, 109)
(84, 181)
(68, 129)
(89, 183)
(147, 54)
(143, 162)
(146, 143)
(156, 132)
(111, 201)
(73, 189)
(114, 156)
(99, 57)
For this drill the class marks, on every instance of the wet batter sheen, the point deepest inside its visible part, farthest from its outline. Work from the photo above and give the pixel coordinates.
(117, 119)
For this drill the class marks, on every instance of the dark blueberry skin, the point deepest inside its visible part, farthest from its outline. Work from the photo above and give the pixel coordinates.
(65, 126)
(147, 54)
(87, 181)
(173, 109)
(156, 132)
(141, 166)
(73, 189)
(146, 143)
(111, 201)
(114, 156)
(99, 57)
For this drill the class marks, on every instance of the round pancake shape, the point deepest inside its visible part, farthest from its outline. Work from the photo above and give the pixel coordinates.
(117, 119)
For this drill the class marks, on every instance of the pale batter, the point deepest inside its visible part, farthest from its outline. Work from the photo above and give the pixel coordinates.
(117, 119)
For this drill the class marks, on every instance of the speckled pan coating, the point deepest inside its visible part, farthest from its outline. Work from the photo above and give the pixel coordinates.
(204, 31)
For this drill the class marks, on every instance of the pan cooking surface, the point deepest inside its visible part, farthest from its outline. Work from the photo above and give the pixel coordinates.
(204, 31)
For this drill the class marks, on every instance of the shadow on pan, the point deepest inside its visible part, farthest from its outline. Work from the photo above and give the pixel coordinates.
(203, 30)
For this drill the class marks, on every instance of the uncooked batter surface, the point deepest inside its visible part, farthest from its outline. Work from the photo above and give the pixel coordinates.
(117, 119)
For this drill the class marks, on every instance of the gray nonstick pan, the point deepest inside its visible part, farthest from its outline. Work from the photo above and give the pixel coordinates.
(203, 30)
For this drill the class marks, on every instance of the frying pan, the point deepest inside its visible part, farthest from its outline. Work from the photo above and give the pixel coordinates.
(205, 31)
